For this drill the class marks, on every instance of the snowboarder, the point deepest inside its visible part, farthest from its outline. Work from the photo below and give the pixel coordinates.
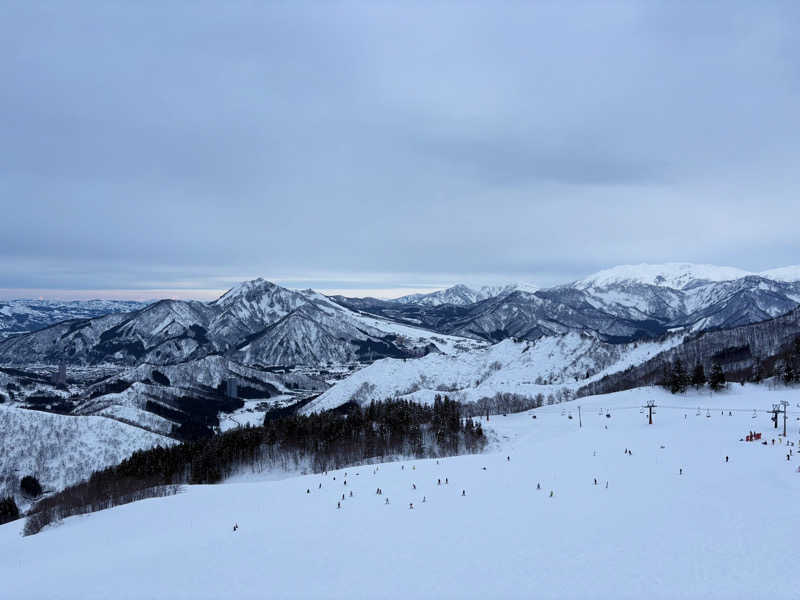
(414, 485)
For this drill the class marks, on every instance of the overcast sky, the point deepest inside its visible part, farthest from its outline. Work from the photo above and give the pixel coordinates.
(151, 147)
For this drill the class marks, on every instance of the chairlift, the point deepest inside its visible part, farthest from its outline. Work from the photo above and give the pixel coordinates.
(697, 414)
(754, 413)
(708, 413)
(641, 410)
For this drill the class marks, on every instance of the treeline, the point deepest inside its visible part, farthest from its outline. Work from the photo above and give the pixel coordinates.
(748, 353)
(504, 403)
(348, 436)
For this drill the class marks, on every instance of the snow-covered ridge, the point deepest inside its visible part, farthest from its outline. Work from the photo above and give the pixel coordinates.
(673, 275)
(462, 294)
(788, 274)
(519, 367)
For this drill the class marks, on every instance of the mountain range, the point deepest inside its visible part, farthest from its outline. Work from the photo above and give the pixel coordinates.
(261, 323)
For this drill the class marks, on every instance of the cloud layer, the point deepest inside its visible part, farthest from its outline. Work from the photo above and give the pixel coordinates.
(377, 145)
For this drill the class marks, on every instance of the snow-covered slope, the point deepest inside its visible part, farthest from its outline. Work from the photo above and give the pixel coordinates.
(675, 520)
(524, 367)
(62, 450)
(790, 274)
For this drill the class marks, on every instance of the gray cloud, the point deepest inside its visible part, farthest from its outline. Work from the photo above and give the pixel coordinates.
(187, 145)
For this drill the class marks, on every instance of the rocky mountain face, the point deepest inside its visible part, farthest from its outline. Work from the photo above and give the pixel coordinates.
(618, 305)
(257, 321)
(22, 316)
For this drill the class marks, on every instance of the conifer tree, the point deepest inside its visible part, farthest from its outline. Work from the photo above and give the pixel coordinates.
(698, 376)
(716, 380)
(678, 378)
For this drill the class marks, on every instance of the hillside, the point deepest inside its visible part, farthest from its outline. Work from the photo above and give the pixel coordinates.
(545, 367)
(654, 532)
(62, 450)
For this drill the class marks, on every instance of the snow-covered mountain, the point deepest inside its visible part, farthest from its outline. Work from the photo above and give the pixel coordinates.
(527, 368)
(621, 304)
(257, 321)
(21, 316)
(460, 294)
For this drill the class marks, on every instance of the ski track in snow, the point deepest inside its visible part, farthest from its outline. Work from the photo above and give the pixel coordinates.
(716, 531)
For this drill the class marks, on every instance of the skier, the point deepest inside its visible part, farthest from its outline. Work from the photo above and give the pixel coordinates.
(338, 505)
(308, 491)
(410, 505)
(595, 480)
(320, 486)
(551, 493)
(351, 493)
(538, 486)
(345, 481)
(438, 482)
(508, 458)
(414, 485)
(446, 481)
(606, 485)
(235, 526)
(387, 501)
(726, 459)
(463, 492)
(681, 471)
(423, 499)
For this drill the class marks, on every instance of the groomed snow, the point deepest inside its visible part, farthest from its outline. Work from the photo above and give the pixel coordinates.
(719, 530)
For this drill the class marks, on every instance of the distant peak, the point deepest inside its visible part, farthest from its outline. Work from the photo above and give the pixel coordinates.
(246, 288)
(673, 275)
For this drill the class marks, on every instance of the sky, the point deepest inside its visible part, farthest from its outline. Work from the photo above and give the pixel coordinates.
(379, 148)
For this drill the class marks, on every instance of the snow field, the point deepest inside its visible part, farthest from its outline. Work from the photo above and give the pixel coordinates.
(716, 531)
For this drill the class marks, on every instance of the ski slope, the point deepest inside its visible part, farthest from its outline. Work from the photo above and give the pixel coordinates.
(718, 530)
